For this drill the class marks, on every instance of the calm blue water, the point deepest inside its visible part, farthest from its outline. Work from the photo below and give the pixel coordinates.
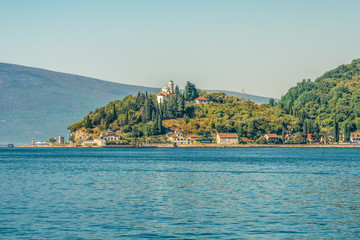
(180, 193)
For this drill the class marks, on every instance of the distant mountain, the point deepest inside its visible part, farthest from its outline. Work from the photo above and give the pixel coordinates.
(254, 98)
(37, 103)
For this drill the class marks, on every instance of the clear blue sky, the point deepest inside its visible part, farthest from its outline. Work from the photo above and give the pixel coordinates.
(262, 46)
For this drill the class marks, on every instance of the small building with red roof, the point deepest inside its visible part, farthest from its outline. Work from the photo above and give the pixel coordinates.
(355, 137)
(227, 138)
(181, 139)
(201, 100)
(271, 137)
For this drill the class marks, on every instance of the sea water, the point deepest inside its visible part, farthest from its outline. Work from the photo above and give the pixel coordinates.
(142, 193)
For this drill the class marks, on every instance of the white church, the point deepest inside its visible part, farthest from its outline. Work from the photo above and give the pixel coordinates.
(165, 92)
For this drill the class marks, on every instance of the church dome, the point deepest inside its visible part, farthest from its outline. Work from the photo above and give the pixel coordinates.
(165, 87)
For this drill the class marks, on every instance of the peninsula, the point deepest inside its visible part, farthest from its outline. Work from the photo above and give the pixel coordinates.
(324, 111)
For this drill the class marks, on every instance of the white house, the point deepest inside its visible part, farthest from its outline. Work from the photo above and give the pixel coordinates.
(180, 139)
(271, 137)
(201, 100)
(355, 137)
(109, 136)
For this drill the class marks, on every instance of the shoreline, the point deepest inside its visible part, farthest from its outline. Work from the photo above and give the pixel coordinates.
(211, 146)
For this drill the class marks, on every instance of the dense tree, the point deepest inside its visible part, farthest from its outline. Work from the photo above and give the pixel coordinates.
(190, 92)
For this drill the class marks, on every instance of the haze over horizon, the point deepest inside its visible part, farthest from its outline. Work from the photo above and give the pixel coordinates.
(264, 47)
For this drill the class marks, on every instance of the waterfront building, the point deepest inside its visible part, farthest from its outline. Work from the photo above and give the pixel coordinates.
(355, 137)
(109, 136)
(181, 139)
(227, 138)
(274, 138)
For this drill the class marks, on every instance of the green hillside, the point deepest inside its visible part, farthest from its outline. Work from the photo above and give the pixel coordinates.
(332, 101)
(141, 118)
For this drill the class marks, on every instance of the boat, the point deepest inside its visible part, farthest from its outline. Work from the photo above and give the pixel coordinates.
(10, 145)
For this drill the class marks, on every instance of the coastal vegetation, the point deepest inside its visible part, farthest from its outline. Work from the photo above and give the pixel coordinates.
(331, 103)
(140, 117)
(327, 108)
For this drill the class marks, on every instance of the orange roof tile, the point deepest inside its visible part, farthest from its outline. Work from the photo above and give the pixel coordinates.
(246, 140)
(163, 94)
(192, 136)
(228, 135)
(271, 135)
(202, 99)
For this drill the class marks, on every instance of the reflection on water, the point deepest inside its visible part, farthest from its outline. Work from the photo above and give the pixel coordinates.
(179, 193)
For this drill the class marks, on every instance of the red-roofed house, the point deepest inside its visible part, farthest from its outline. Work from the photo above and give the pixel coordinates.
(270, 137)
(180, 139)
(355, 137)
(227, 138)
(201, 100)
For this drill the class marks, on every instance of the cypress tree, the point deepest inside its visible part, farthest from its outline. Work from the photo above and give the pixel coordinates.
(159, 120)
(126, 119)
(177, 91)
(114, 113)
(181, 106)
(346, 132)
(160, 124)
(88, 123)
(138, 100)
(336, 131)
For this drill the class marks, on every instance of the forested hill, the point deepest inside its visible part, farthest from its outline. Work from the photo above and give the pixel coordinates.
(332, 100)
(141, 118)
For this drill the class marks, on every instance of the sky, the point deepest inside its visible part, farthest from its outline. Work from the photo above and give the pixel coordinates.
(263, 47)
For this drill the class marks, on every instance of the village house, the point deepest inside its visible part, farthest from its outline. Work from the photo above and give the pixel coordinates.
(355, 137)
(109, 136)
(201, 100)
(270, 137)
(181, 139)
(227, 138)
